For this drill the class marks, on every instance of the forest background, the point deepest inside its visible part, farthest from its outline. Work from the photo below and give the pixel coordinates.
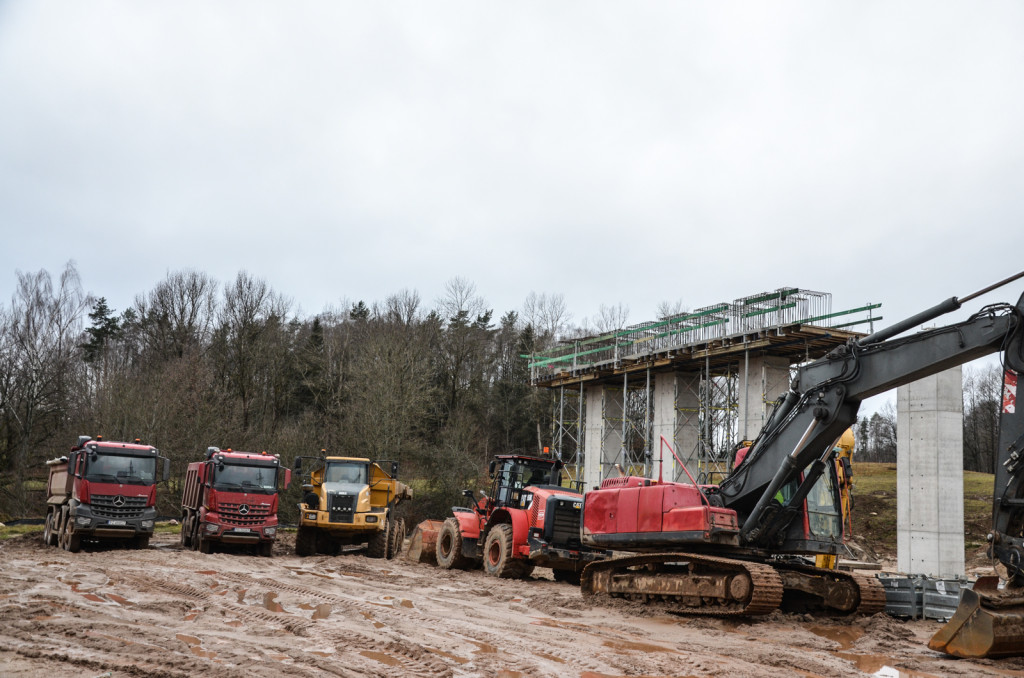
(195, 362)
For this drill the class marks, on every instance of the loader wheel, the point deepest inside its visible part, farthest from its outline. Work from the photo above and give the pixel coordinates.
(305, 541)
(499, 561)
(49, 533)
(570, 577)
(449, 547)
(397, 538)
(72, 540)
(377, 547)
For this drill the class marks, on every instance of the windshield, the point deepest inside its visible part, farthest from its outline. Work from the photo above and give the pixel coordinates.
(115, 468)
(520, 474)
(345, 472)
(245, 478)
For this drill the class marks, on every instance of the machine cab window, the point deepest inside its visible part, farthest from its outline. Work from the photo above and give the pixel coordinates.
(348, 473)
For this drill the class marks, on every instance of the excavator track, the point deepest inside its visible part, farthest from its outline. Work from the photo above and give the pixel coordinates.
(830, 592)
(688, 583)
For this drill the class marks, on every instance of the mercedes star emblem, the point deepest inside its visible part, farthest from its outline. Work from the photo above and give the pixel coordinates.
(243, 509)
(119, 500)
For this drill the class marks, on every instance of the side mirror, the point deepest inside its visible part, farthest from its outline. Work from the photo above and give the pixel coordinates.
(287, 478)
(490, 469)
(167, 469)
(394, 470)
(297, 465)
(467, 493)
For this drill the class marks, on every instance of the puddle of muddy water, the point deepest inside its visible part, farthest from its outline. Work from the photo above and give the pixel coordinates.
(549, 657)
(206, 571)
(404, 603)
(485, 648)
(322, 611)
(119, 600)
(448, 655)
(270, 602)
(241, 595)
(376, 624)
(845, 636)
(627, 646)
(381, 657)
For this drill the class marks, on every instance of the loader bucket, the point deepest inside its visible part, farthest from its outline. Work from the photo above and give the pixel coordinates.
(423, 542)
(987, 623)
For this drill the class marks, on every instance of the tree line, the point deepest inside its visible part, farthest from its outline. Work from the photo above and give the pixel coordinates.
(194, 363)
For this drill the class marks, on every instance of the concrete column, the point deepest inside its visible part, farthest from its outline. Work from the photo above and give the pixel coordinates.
(761, 380)
(677, 417)
(929, 475)
(603, 436)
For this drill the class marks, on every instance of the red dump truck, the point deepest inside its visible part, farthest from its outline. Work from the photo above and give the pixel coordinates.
(231, 498)
(103, 491)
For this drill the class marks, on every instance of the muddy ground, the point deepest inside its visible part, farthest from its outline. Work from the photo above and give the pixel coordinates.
(167, 612)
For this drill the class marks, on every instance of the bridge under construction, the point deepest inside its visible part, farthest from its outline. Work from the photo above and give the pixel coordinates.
(704, 380)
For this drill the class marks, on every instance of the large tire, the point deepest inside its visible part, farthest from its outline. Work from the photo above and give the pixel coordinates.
(449, 547)
(140, 541)
(186, 532)
(499, 560)
(59, 527)
(570, 577)
(397, 539)
(49, 533)
(305, 541)
(266, 549)
(72, 539)
(205, 545)
(377, 547)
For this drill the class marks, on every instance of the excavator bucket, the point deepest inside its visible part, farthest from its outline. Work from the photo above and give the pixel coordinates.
(987, 623)
(423, 542)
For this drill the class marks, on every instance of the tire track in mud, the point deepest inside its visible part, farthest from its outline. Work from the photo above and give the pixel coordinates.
(371, 654)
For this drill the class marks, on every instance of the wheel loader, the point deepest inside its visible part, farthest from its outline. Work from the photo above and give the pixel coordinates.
(528, 520)
(350, 500)
(740, 547)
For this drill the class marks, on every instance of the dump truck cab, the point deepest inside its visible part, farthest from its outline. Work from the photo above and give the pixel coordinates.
(103, 491)
(350, 500)
(231, 497)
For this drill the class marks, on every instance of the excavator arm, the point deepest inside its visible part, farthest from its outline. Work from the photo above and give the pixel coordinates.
(796, 444)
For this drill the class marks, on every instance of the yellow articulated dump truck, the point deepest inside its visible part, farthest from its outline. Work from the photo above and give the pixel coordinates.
(349, 500)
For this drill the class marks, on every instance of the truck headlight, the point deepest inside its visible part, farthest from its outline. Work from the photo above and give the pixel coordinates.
(310, 516)
(146, 524)
(83, 521)
(211, 527)
(371, 519)
(270, 531)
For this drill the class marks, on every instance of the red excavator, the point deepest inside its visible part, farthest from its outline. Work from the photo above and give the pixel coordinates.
(741, 547)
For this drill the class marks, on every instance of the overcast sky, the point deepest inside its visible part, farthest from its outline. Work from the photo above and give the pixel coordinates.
(614, 153)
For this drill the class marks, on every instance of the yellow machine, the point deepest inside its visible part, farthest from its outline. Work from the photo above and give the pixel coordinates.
(350, 500)
(844, 472)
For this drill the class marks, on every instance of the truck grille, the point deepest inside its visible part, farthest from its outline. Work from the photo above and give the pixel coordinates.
(117, 506)
(342, 507)
(242, 514)
(563, 523)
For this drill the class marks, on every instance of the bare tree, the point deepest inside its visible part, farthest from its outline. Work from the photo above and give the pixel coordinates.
(611, 318)
(548, 315)
(42, 336)
(671, 309)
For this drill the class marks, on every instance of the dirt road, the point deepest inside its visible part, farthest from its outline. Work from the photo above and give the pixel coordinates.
(167, 612)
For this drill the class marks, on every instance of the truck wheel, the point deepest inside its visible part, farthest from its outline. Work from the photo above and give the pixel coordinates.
(397, 538)
(205, 545)
(49, 534)
(140, 541)
(449, 547)
(266, 549)
(59, 527)
(305, 541)
(377, 547)
(186, 532)
(570, 577)
(72, 540)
